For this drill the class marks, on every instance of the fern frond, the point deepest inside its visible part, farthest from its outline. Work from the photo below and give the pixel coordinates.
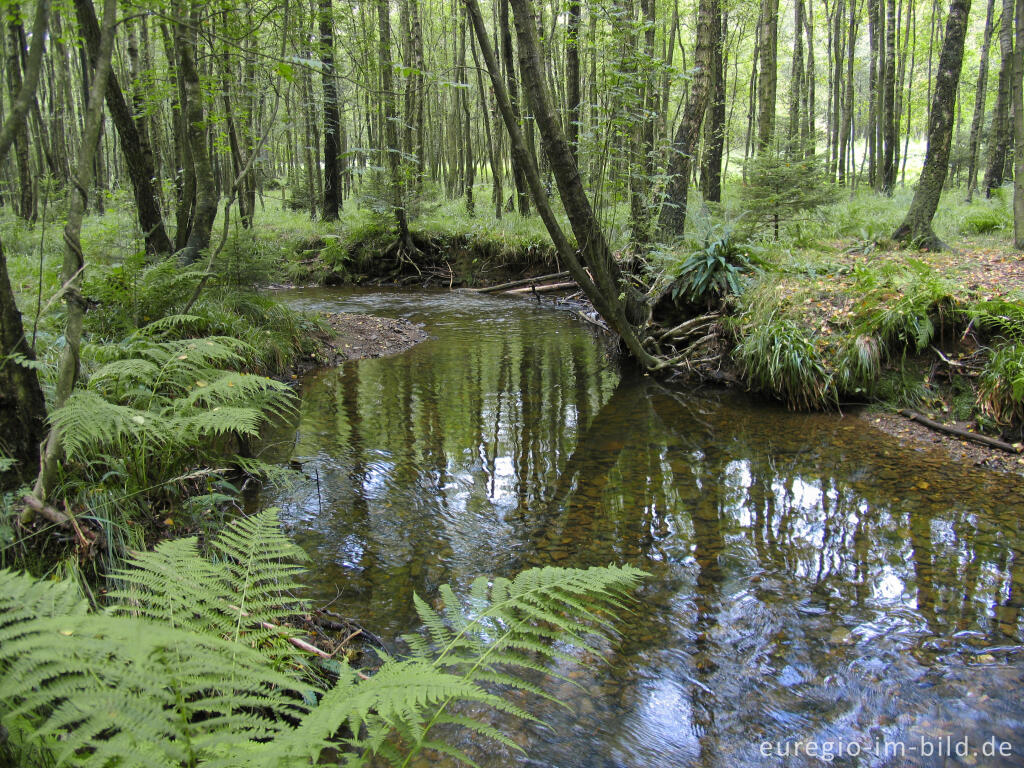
(112, 690)
(263, 565)
(173, 584)
(87, 423)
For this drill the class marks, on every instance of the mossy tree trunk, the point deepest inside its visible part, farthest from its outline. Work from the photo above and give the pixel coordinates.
(916, 228)
(137, 154)
(22, 407)
(714, 130)
(332, 121)
(185, 43)
(979, 104)
(1018, 128)
(768, 80)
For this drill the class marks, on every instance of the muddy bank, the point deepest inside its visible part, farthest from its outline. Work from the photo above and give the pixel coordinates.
(920, 437)
(354, 337)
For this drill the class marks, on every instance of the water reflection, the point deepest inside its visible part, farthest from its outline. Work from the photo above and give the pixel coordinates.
(811, 580)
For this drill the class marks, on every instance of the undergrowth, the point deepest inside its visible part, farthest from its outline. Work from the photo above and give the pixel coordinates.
(189, 662)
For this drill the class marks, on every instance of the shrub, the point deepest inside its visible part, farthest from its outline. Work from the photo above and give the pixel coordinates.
(782, 185)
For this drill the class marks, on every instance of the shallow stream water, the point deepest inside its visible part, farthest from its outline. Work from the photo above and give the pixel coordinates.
(816, 590)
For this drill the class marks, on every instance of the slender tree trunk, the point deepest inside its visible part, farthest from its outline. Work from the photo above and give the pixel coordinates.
(512, 84)
(22, 407)
(999, 140)
(572, 73)
(196, 131)
(403, 245)
(889, 137)
(873, 128)
(606, 285)
(1018, 128)
(26, 206)
(796, 75)
(138, 157)
(809, 133)
(332, 120)
(714, 132)
(672, 222)
(917, 226)
(74, 259)
(979, 104)
(846, 113)
(769, 76)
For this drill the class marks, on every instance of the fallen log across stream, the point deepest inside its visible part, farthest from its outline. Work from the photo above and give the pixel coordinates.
(521, 282)
(549, 288)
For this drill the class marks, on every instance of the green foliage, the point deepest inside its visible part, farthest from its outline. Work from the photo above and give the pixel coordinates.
(783, 185)
(714, 271)
(986, 218)
(1001, 387)
(182, 668)
(998, 317)
(156, 410)
(135, 294)
(778, 356)
(901, 307)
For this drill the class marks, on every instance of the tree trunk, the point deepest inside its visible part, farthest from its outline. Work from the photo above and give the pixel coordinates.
(796, 75)
(769, 77)
(137, 155)
(916, 228)
(22, 407)
(572, 74)
(979, 104)
(714, 131)
(1018, 128)
(873, 128)
(512, 84)
(74, 259)
(999, 140)
(332, 120)
(403, 245)
(889, 137)
(26, 200)
(196, 131)
(672, 222)
(606, 286)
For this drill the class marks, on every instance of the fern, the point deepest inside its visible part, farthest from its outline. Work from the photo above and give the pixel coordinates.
(159, 409)
(178, 670)
(234, 597)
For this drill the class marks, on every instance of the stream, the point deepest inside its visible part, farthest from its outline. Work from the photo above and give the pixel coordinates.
(817, 593)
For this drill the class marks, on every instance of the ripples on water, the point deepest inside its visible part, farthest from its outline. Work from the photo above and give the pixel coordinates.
(811, 580)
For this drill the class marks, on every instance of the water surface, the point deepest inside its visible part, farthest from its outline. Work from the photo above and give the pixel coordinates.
(811, 580)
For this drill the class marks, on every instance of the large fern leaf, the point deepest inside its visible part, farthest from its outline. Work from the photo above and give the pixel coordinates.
(251, 585)
(106, 690)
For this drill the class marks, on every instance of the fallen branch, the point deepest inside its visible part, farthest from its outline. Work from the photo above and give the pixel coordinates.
(541, 288)
(961, 433)
(299, 643)
(64, 520)
(523, 281)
